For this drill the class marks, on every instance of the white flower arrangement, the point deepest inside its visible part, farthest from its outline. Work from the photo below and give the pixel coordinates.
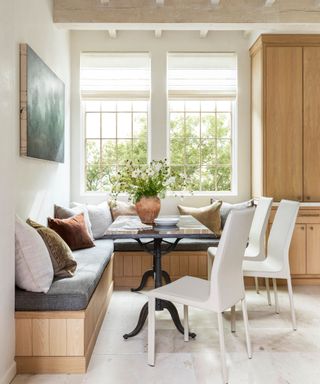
(150, 180)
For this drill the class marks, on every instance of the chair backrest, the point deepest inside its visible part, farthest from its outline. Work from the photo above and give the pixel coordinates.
(281, 234)
(227, 286)
(256, 247)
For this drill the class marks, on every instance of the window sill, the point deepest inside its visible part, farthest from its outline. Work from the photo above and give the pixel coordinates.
(168, 194)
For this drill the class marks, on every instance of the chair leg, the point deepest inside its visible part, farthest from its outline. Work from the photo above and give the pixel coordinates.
(268, 290)
(256, 282)
(246, 327)
(222, 348)
(275, 290)
(293, 315)
(233, 318)
(151, 330)
(210, 263)
(186, 323)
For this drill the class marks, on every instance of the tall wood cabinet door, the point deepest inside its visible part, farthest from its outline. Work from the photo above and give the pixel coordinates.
(313, 249)
(283, 123)
(311, 74)
(297, 252)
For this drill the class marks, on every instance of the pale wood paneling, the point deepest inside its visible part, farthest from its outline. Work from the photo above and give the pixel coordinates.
(51, 364)
(118, 266)
(176, 263)
(58, 337)
(311, 115)
(283, 122)
(183, 12)
(256, 123)
(75, 337)
(40, 337)
(62, 341)
(23, 337)
(128, 266)
(297, 254)
(313, 245)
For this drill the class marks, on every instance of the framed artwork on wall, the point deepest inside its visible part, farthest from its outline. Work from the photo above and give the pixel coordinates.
(42, 109)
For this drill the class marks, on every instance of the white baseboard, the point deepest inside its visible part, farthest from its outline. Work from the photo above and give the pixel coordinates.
(9, 375)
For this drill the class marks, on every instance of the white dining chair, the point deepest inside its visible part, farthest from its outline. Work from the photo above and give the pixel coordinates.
(223, 291)
(276, 264)
(255, 250)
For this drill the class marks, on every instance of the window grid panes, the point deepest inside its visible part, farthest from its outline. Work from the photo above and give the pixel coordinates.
(115, 131)
(201, 142)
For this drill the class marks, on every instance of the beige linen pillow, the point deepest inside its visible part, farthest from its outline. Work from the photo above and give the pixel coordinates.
(208, 215)
(121, 208)
(33, 267)
(63, 262)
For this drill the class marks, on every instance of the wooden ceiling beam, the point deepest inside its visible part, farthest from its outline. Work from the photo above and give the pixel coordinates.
(211, 12)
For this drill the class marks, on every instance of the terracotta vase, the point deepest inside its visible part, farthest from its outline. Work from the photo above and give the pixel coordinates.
(148, 209)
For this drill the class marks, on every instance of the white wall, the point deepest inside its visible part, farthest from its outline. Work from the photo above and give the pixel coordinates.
(170, 41)
(7, 169)
(40, 183)
(28, 186)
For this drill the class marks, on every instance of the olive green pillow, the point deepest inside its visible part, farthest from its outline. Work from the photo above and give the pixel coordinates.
(209, 215)
(63, 262)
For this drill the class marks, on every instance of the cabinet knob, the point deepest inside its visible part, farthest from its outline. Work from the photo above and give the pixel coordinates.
(308, 197)
(302, 228)
(299, 198)
(311, 228)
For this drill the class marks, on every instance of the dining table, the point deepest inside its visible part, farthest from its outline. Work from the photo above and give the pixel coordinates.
(157, 240)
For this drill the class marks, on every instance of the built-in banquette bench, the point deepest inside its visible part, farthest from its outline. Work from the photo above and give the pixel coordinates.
(56, 331)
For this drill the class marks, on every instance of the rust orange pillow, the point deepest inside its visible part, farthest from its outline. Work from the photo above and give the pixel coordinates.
(73, 231)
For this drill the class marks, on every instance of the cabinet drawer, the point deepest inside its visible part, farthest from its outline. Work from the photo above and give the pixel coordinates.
(297, 253)
(313, 249)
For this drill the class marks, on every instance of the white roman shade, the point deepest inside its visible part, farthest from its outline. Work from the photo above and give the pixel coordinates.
(115, 76)
(202, 75)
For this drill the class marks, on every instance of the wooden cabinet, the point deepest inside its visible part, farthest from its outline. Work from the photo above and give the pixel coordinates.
(285, 114)
(297, 253)
(283, 122)
(304, 252)
(313, 249)
(311, 127)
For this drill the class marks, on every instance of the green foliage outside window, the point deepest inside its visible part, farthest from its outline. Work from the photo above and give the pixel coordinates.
(200, 150)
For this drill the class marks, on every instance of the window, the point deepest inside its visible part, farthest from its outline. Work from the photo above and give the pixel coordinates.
(202, 91)
(115, 92)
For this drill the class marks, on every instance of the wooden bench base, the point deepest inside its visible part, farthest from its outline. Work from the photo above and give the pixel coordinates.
(62, 341)
(130, 266)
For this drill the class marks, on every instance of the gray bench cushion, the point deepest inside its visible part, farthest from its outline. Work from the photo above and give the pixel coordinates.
(71, 294)
(130, 245)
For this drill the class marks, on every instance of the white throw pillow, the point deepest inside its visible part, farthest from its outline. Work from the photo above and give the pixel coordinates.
(34, 271)
(100, 218)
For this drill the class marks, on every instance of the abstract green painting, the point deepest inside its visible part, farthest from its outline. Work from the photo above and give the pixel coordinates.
(42, 108)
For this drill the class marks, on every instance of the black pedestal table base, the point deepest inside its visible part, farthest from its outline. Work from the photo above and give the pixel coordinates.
(157, 274)
(145, 277)
(163, 304)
